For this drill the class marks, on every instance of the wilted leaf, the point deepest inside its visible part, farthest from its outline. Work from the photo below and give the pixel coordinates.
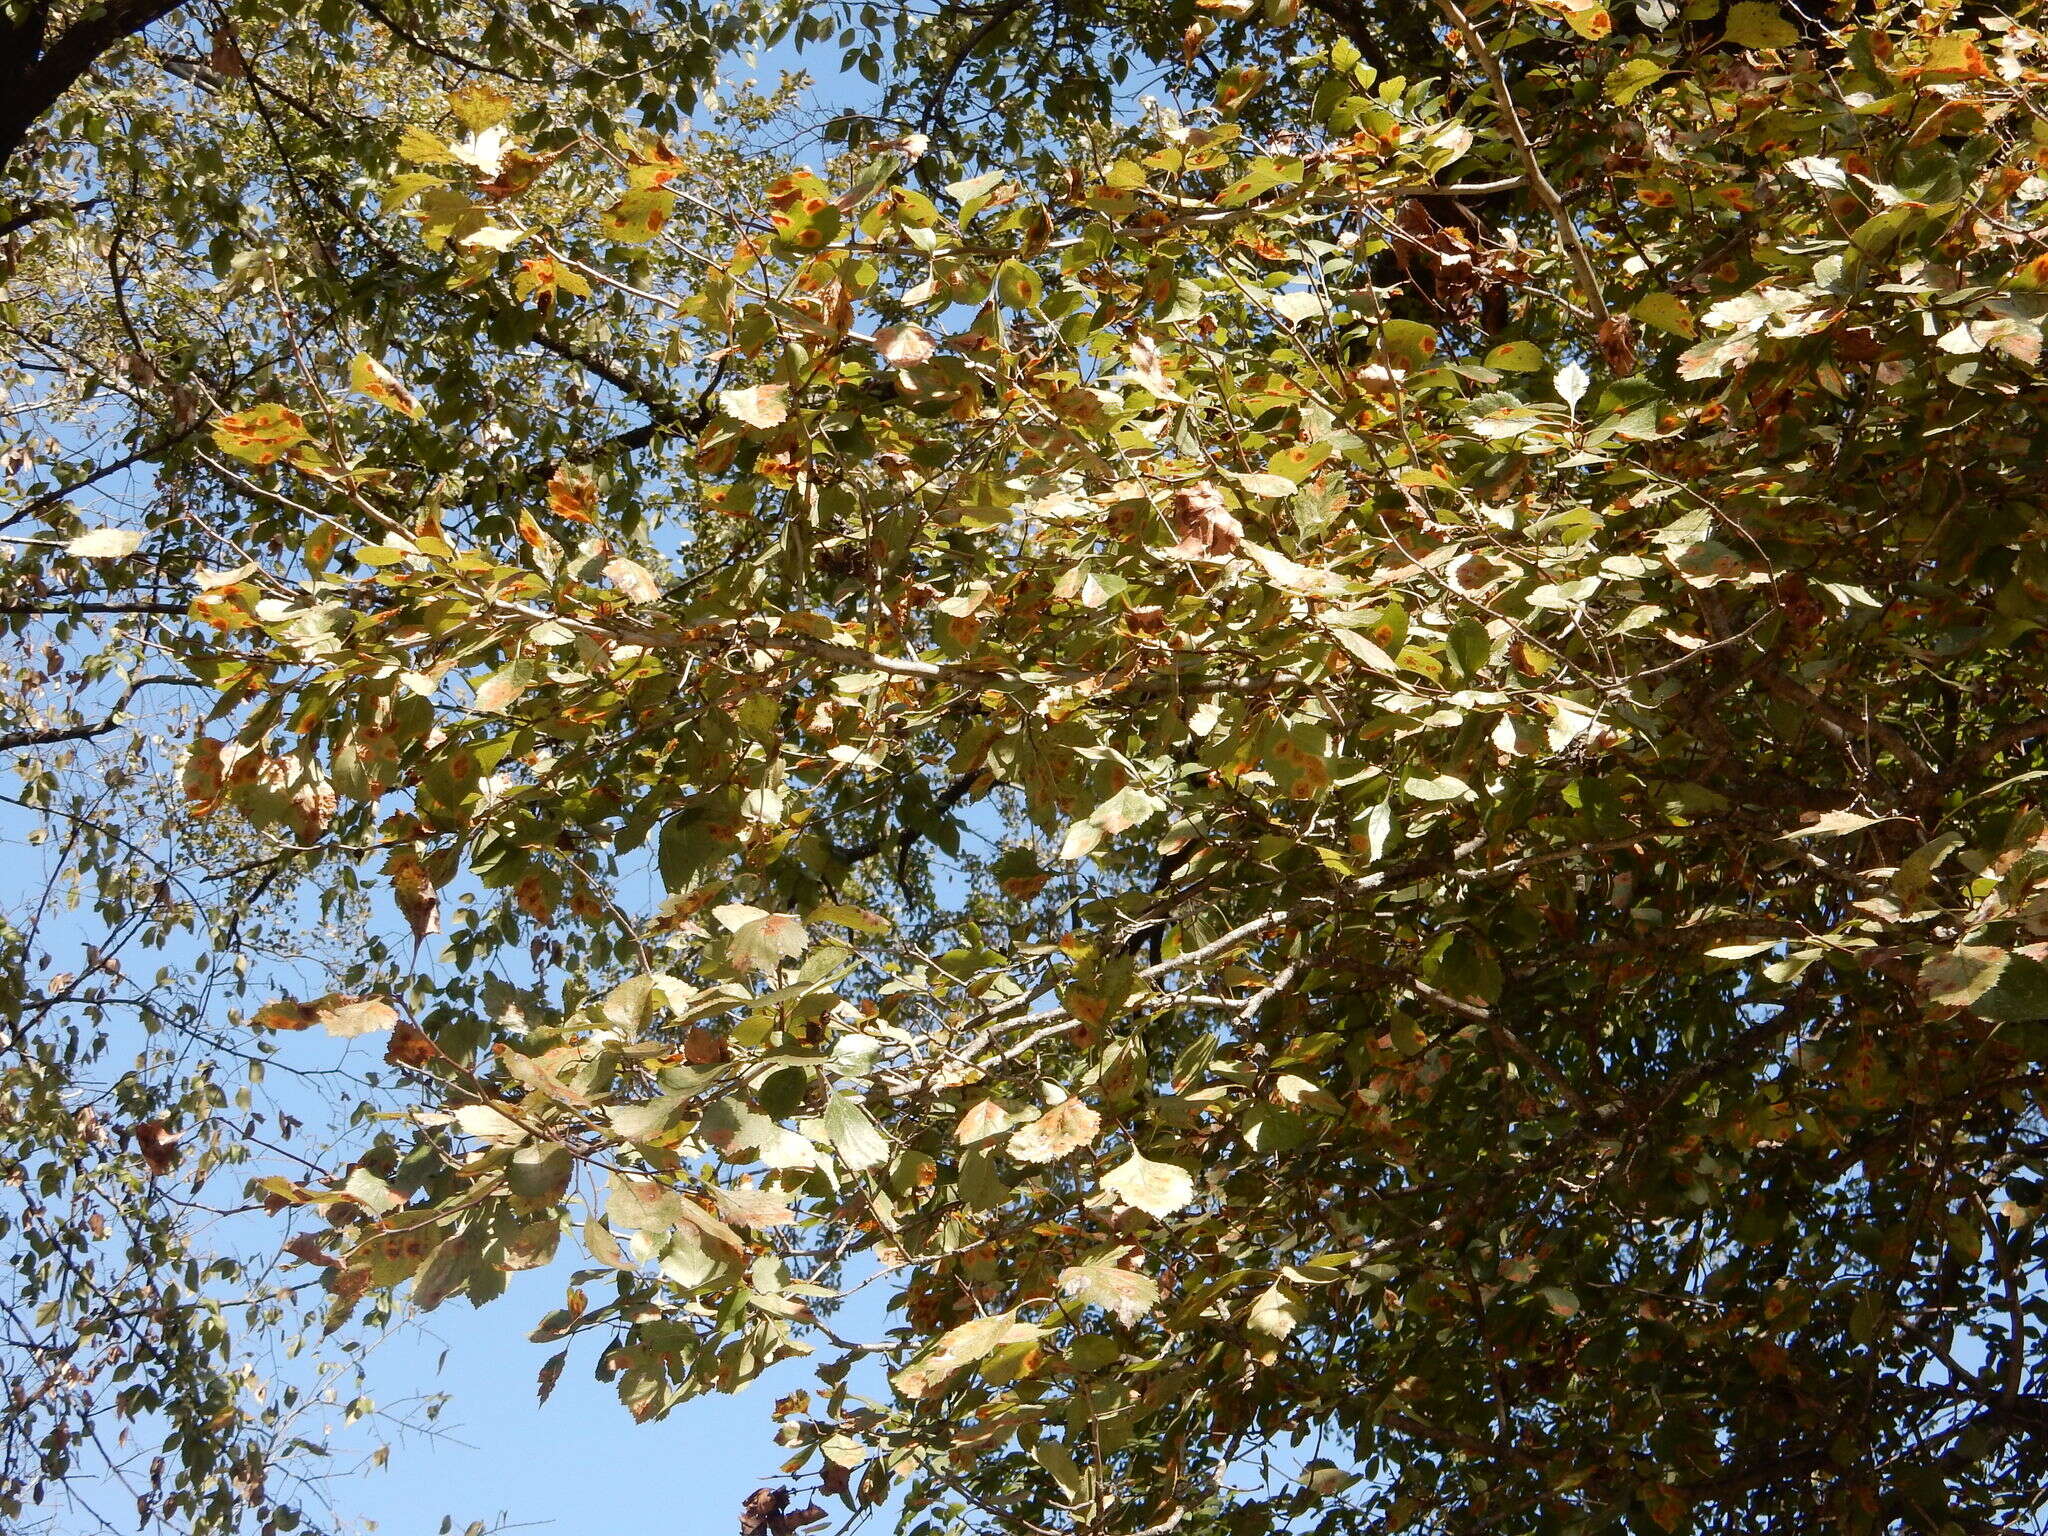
(263, 434)
(757, 1209)
(1962, 975)
(958, 1347)
(367, 376)
(904, 346)
(633, 579)
(760, 405)
(339, 1013)
(1204, 524)
(1159, 1189)
(158, 1145)
(1834, 824)
(488, 1124)
(1275, 1313)
(1123, 1293)
(767, 941)
(345, 1016)
(985, 1119)
(105, 543)
(1067, 1127)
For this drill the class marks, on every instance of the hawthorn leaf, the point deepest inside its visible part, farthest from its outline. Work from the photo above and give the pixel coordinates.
(1125, 1294)
(857, 1141)
(105, 543)
(1065, 1128)
(1158, 1189)
(759, 405)
(367, 376)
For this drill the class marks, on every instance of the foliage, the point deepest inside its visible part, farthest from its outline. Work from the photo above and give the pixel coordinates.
(156, 1362)
(1344, 775)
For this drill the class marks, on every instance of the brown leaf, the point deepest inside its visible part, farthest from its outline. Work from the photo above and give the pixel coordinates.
(306, 1246)
(762, 1509)
(341, 1014)
(285, 1014)
(1148, 372)
(158, 1145)
(1617, 345)
(767, 1509)
(572, 493)
(704, 1047)
(413, 889)
(224, 56)
(1204, 524)
(410, 1047)
(550, 1373)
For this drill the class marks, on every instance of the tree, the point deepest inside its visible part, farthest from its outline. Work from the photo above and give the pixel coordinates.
(148, 1327)
(1346, 773)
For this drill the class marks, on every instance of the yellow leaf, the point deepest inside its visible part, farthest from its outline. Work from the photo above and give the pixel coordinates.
(367, 376)
(1516, 357)
(1667, 312)
(637, 217)
(1755, 25)
(478, 107)
(263, 434)
(422, 147)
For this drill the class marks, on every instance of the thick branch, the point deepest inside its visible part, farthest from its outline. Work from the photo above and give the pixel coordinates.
(34, 76)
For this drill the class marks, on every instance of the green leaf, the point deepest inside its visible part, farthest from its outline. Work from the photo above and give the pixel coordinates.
(1630, 78)
(1516, 357)
(2017, 995)
(1668, 313)
(853, 1134)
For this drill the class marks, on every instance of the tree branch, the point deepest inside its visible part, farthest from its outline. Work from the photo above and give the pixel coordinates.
(1575, 248)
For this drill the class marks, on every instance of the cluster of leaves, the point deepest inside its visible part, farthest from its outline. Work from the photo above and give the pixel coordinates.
(173, 228)
(1345, 778)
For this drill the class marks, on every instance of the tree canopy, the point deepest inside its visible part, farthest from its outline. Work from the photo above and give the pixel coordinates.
(1322, 725)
